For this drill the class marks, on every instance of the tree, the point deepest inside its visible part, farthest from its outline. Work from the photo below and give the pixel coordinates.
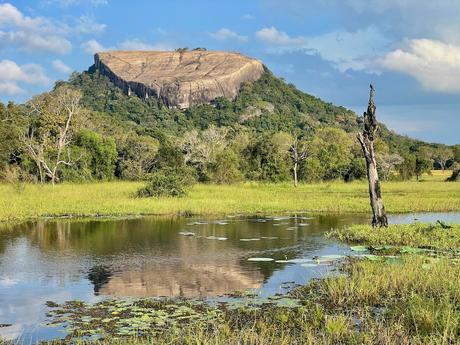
(51, 132)
(442, 155)
(455, 173)
(100, 154)
(298, 153)
(366, 139)
(136, 156)
(422, 165)
(329, 155)
(387, 162)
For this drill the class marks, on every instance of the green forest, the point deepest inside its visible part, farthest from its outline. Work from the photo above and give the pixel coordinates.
(87, 129)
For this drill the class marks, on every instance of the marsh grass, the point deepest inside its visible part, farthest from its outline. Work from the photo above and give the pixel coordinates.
(119, 199)
(422, 235)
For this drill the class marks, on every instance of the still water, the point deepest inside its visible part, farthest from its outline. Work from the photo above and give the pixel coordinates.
(90, 260)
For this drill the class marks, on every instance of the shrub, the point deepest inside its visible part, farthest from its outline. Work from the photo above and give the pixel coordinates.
(166, 183)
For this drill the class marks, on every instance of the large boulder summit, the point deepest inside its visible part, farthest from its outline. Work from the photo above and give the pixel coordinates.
(180, 79)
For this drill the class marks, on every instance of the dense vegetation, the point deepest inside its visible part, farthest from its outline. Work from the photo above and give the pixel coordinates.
(254, 137)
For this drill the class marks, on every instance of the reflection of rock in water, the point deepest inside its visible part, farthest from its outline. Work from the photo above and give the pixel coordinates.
(99, 275)
(191, 280)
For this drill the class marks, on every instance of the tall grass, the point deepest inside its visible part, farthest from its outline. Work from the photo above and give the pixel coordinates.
(435, 236)
(28, 201)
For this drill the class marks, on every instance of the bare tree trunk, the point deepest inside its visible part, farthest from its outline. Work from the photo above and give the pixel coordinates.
(298, 153)
(366, 139)
(295, 174)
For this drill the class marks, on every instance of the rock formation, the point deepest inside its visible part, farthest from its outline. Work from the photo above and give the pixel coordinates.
(180, 79)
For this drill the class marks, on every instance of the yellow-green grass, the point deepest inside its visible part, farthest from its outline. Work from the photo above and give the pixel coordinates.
(29, 201)
(435, 236)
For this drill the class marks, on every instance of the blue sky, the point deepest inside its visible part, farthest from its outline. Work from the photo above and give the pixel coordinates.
(409, 49)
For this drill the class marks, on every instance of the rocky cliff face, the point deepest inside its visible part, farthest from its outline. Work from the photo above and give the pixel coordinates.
(180, 79)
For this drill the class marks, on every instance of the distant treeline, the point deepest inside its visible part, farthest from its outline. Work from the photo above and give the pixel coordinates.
(87, 129)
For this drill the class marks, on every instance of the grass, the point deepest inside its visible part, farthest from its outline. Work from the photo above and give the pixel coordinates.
(415, 235)
(29, 201)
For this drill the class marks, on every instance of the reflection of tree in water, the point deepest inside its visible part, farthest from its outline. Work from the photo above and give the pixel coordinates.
(99, 275)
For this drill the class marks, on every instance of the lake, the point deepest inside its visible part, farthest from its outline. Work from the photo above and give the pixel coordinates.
(186, 257)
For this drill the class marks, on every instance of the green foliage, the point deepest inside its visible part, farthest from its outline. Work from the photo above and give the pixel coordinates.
(100, 154)
(225, 169)
(330, 155)
(165, 183)
(222, 142)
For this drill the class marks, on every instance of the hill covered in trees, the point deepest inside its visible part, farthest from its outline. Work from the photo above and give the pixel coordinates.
(267, 132)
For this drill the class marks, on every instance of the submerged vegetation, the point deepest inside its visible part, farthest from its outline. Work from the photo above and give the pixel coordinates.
(28, 201)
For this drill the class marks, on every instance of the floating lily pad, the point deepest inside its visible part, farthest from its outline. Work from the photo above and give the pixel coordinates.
(332, 257)
(187, 233)
(261, 259)
(300, 261)
(216, 238)
(358, 248)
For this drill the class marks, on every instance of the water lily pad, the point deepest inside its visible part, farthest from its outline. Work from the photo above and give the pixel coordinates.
(332, 257)
(216, 238)
(300, 261)
(261, 259)
(358, 248)
(187, 233)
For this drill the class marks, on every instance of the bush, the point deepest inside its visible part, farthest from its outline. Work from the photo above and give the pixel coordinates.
(166, 183)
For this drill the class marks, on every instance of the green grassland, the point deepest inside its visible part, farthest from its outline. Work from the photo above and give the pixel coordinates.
(29, 201)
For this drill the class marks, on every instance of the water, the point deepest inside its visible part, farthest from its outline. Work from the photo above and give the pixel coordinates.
(90, 260)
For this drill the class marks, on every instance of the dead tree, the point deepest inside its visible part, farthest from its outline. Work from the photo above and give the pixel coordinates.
(298, 153)
(366, 139)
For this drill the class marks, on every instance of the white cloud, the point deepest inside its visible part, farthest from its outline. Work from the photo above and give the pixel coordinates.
(11, 74)
(87, 25)
(226, 34)
(34, 42)
(10, 88)
(61, 67)
(136, 44)
(346, 50)
(31, 34)
(273, 36)
(436, 65)
(93, 46)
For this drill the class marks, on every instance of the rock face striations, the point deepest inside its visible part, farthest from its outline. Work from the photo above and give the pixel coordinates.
(179, 79)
